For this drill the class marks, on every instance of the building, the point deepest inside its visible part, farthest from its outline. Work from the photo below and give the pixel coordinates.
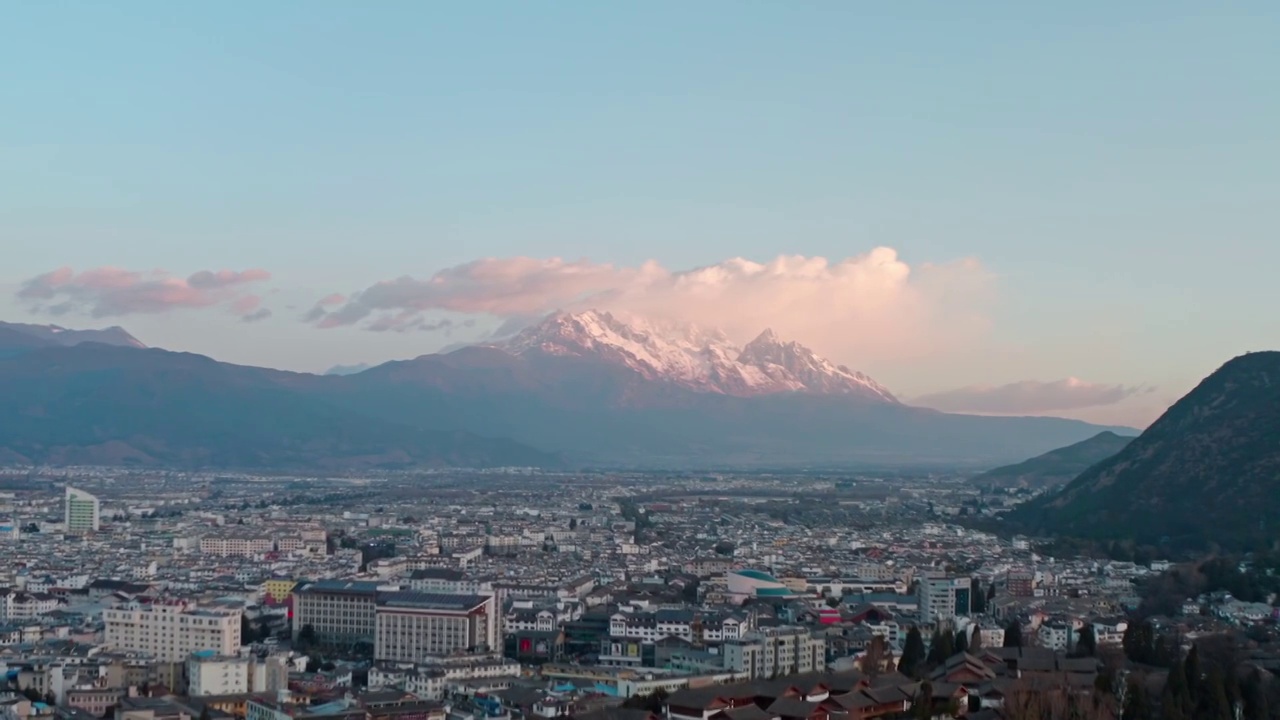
(943, 597)
(1021, 584)
(211, 674)
(746, 584)
(774, 652)
(83, 512)
(237, 545)
(409, 626)
(447, 581)
(338, 612)
(171, 631)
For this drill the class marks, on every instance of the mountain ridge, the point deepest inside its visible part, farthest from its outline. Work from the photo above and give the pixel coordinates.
(560, 397)
(1056, 467)
(1196, 477)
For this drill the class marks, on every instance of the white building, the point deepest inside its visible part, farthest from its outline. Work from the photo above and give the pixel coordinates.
(173, 630)
(410, 626)
(211, 674)
(774, 652)
(943, 597)
(82, 512)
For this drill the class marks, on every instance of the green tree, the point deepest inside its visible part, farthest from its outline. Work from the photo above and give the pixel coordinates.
(913, 652)
(205, 714)
(1213, 703)
(977, 598)
(1086, 642)
(1136, 705)
(975, 640)
(962, 642)
(1254, 698)
(1013, 634)
(922, 705)
(1195, 676)
(307, 636)
(941, 646)
(1176, 700)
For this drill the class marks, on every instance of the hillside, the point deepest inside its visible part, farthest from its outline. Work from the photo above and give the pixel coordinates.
(99, 404)
(1207, 472)
(1056, 467)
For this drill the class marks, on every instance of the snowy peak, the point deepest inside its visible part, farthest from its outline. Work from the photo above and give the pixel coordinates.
(794, 361)
(692, 357)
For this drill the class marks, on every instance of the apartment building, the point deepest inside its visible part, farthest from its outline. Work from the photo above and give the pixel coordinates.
(18, 605)
(83, 512)
(237, 545)
(447, 581)
(411, 625)
(943, 597)
(773, 652)
(211, 674)
(686, 624)
(172, 630)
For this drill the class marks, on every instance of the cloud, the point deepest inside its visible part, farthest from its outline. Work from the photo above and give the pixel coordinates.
(256, 315)
(867, 307)
(1029, 396)
(109, 291)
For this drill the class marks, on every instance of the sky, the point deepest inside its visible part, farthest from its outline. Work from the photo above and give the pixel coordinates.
(1006, 207)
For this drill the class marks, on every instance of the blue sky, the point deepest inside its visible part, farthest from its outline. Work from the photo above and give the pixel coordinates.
(1112, 167)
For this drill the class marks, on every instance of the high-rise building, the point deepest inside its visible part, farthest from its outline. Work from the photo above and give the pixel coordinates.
(82, 512)
(172, 630)
(944, 597)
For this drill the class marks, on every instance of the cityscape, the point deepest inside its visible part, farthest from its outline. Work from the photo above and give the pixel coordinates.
(714, 360)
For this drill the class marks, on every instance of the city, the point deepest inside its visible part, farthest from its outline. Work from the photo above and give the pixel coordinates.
(515, 593)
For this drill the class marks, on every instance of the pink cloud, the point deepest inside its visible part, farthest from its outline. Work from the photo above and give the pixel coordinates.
(1029, 397)
(110, 291)
(867, 307)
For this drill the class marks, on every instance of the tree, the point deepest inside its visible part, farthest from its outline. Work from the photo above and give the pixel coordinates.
(1191, 666)
(1086, 642)
(307, 636)
(1213, 703)
(975, 640)
(941, 646)
(1013, 634)
(248, 634)
(962, 642)
(991, 593)
(1175, 701)
(655, 702)
(977, 599)
(1254, 698)
(204, 713)
(876, 657)
(922, 706)
(913, 652)
(1136, 706)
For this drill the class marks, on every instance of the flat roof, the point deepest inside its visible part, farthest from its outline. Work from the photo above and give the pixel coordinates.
(430, 601)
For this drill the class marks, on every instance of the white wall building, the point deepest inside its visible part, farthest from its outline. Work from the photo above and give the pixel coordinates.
(171, 631)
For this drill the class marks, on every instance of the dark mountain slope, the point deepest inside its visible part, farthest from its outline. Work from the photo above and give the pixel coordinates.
(95, 403)
(1208, 471)
(1056, 467)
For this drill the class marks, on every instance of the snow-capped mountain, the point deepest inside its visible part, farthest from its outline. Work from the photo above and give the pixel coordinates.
(695, 358)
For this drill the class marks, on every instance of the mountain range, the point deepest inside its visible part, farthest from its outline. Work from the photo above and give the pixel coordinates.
(576, 389)
(1206, 473)
(1056, 467)
(23, 336)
